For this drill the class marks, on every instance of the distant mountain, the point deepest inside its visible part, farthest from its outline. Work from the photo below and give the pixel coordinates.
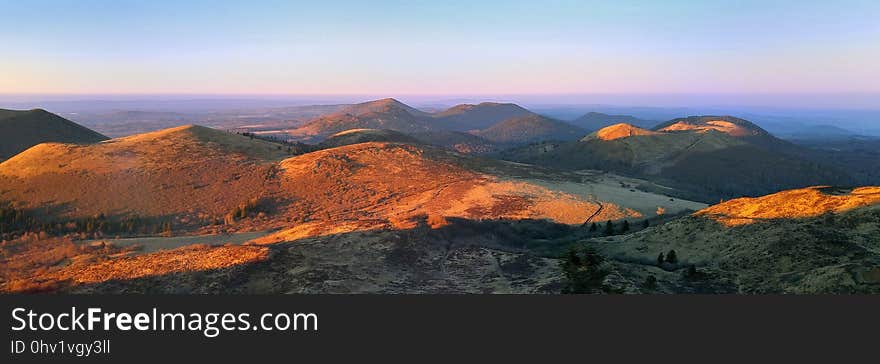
(20, 130)
(388, 114)
(710, 157)
(467, 117)
(594, 121)
(530, 128)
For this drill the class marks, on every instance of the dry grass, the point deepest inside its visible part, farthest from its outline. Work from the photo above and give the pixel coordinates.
(799, 203)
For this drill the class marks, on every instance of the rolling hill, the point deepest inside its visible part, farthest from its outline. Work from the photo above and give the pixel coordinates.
(710, 160)
(197, 180)
(466, 117)
(20, 130)
(593, 121)
(811, 240)
(388, 114)
(189, 170)
(530, 128)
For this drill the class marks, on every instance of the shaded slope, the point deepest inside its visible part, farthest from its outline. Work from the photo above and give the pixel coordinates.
(466, 117)
(530, 128)
(594, 121)
(455, 140)
(20, 130)
(710, 163)
(355, 136)
(388, 114)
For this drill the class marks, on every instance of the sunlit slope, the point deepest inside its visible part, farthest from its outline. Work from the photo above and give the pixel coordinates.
(189, 169)
(388, 185)
(811, 240)
(791, 204)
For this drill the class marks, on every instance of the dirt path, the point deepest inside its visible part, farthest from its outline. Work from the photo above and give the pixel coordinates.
(589, 219)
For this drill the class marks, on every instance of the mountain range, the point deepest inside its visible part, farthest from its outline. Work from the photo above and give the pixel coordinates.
(400, 204)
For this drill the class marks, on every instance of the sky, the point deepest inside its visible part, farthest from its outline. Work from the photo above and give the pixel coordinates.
(440, 47)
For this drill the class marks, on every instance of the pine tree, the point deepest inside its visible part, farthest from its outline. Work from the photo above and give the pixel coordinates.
(593, 227)
(671, 257)
(625, 226)
(609, 228)
(660, 259)
(645, 224)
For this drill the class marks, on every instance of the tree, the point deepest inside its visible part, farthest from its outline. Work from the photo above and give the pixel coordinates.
(650, 282)
(645, 224)
(691, 271)
(660, 210)
(583, 270)
(625, 226)
(609, 228)
(660, 259)
(671, 257)
(593, 227)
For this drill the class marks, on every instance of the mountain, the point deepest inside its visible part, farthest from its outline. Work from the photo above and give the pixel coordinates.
(805, 241)
(388, 114)
(20, 130)
(530, 128)
(709, 157)
(467, 117)
(595, 120)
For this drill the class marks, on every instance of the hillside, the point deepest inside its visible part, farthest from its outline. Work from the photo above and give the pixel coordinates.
(467, 117)
(708, 163)
(189, 170)
(418, 204)
(458, 141)
(388, 114)
(813, 240)
(592, 121)
(530, 128)
(618, 131)
(355, 136)
(20, 130)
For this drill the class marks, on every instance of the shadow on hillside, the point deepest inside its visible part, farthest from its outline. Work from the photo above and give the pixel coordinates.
(416, 259)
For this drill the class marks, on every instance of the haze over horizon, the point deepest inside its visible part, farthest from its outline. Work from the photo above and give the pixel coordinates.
(684, 52)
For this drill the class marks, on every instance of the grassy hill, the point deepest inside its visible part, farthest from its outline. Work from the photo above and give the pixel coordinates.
(467, 117)
(20, 130)
(814, 240)
(530, 128)
(708, 163)
(388, 114)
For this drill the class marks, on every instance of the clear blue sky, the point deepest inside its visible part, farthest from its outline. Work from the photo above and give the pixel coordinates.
(439, 47)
